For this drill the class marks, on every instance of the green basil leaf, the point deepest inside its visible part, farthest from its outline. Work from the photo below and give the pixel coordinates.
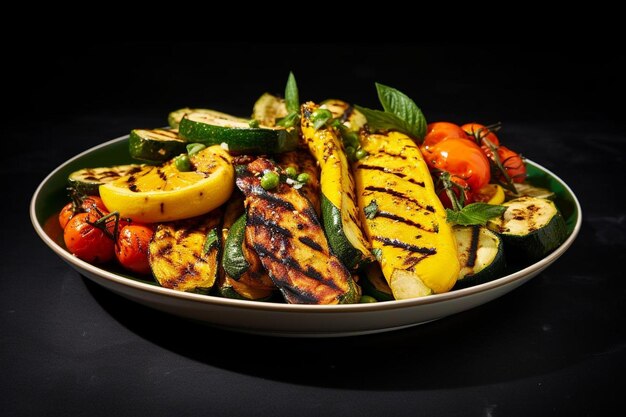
(292, 100)
(210, 242)
(371, 209)
(399, 104)
(474, 214)
(288, 121)
(380, 120)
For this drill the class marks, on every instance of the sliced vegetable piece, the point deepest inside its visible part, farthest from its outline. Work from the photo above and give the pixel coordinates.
(286, 234)
(88, 180)
(403, 218)
(176, 116)
(374, 283)
(350, 117)
(163, 193)
(268, 108)
(481, 255)
(490, 194)
(184, 254)
(155, 145)
(530, 226)
(302, 162)
(527, 190)
(216, 128)
(340, 217)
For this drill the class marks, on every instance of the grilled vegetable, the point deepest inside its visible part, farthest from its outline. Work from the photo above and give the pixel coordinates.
(155, 145)
(350, 117)
(531, 226)
(184, 254)
(403, 217)
(340, 217)
(253, 283)
(268, 108)
(88, 180)
(216, 128)
(285, 233)
(302, 161)
(480, 254)
(375, 284)
(527, 190)
(176, 116)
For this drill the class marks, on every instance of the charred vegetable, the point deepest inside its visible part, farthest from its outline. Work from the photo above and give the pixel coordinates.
(284, 231)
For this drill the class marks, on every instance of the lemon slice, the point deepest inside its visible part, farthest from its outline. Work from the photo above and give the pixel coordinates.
(163, 193)
(491, 194)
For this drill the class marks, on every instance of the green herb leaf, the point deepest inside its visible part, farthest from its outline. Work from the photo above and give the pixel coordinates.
(380, 120)
(210, 242)
(194, 148)
(288, 121)
(320, 117)
(404, 108)
(474, 214)
(371, 209)
(292, 100)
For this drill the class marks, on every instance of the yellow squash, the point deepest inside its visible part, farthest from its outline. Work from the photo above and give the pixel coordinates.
(403, 217)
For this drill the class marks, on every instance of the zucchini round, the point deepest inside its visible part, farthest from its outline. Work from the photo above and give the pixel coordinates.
(88, 180)
(481, 255)
(218, 128)
(176, 116)
(530, 226)
(268, 108)
(156, 145)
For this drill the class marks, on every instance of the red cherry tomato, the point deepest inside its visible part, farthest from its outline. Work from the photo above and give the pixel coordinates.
(511, 161)
(131, 249)
(461, 158)
(462, 187)
(480, 132)
(87, 241)
(438, 131)
(67, 212)
(92, 202)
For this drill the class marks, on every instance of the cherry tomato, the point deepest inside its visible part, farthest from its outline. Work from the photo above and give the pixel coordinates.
(480, 132)
(438, 131)
(460, 186)
(131, 248)
(87, 241)
(461, 158)
(92, 202)
(511, 161)
(67, 212)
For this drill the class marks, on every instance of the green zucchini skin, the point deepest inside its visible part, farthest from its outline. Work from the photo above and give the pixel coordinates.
(240, 140)
(233, 259)
(536, 241)
(475, 271)
(88, 180)
(374, 283)
(341, 247)
(155, 145)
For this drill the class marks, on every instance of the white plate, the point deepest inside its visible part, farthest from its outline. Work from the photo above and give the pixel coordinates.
(274, 318)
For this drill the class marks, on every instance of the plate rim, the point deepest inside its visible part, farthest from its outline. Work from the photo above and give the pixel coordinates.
(300, 308)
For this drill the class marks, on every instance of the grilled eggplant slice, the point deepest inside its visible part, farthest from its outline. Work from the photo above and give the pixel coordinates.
(284, 231)
(303, 161)
(184, 254)
(340, 217)
(403, 217)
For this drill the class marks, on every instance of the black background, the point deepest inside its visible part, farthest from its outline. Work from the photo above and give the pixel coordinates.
(555, 346)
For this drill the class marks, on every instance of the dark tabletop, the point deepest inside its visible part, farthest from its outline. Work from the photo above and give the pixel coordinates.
(553, 347)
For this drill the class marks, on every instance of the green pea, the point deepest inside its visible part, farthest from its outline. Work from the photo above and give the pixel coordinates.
(350, 153)
(270, 180)
(291, 172)
(253, 123)
(360, 153)
(303, 178)
(367, 299)
(182, 163)
(350, 138)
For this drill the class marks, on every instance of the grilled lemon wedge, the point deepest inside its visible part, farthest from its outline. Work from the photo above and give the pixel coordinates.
(163, 193)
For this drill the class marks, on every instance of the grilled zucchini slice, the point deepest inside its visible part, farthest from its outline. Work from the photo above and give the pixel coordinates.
(184, 254)
(530, 226)
(269, 108)
(217, 128)
(155, 145)
(284, 231)
(176, 116)
(88, 180)
(350, 117)
(481, 255)
(375, 284)
(340, 217)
